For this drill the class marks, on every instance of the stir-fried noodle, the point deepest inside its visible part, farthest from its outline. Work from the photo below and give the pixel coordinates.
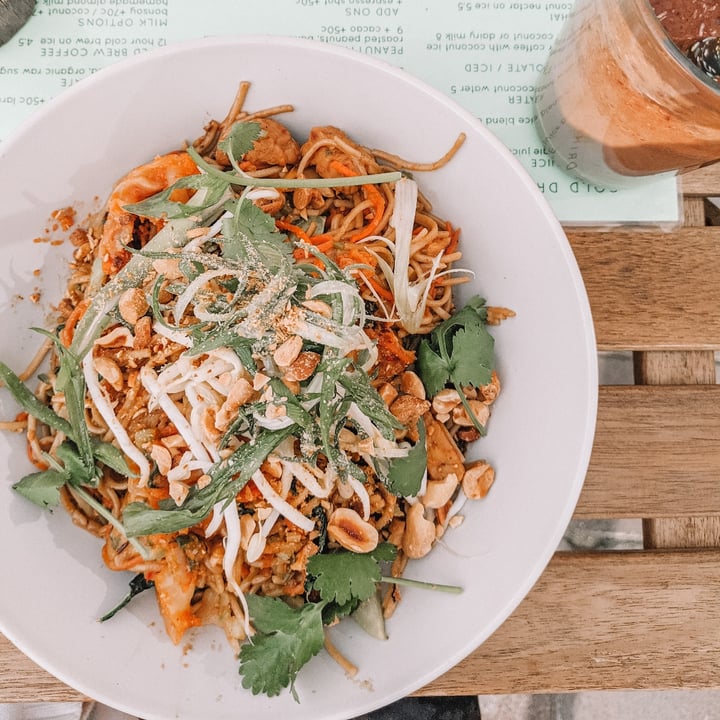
(249, 347)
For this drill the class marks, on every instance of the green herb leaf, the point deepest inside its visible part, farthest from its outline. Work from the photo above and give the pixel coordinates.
(76, 470)
(240, 140)
(344, 576)
(31, 404)
(406, 473)
(228, 477)
(221, 336)
(473, 356)
(70, 380)
(42, 488)
(250, 225)
(137, 585)
(459, 351)
(434, 370)
(160, 205)
(286, 639)
(111, 456)
(367, 398)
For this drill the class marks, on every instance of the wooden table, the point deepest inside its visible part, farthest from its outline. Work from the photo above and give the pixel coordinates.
(646, 619)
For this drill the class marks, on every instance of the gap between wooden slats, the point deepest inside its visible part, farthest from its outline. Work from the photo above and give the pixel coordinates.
(656, 453)
(652, 290)
(604, 621)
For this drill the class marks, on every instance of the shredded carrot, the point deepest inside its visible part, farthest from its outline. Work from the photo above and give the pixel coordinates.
(66, 334)
(322, 242)
(372, 194)
(454, 237)
(354, 254)
(294, 229)
(382, 291)
(325, 246)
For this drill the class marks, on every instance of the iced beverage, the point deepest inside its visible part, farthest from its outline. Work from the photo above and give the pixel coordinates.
(618, 100)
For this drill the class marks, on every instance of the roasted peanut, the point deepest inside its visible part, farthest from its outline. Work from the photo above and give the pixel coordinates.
(163, 459)
(168, 267)
(178, 491)
(119, 336)
(287, 352)
(247, 528)
(302, 367)
(419, 532)
(411, 384)
(438, 492)
(110, 371)
(272, 467)
(239, 394)
(478, 478)
(490, 391)
(408, 409)
(444, 402)
(388, 393)
(207, 422)
(132, 305)
(143, 333)
(480, 410)
(348, 529)
(318, 306)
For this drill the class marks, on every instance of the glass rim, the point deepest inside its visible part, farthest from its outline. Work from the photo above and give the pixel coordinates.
(679, 56)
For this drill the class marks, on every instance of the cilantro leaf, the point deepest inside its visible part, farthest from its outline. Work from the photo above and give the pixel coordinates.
(406, 473)
(434, 370)
(252, 233)
(460, 352)
(240, 140)
(344, 576)
(473, 357)
(286, 639)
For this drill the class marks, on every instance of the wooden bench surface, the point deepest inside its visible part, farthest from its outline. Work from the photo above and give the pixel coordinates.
(613, 619)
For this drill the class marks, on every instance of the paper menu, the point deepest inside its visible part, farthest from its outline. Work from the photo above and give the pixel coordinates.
(485, 54)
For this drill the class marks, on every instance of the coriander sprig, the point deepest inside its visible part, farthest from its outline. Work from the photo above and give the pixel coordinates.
(288, 637)
(459, 352)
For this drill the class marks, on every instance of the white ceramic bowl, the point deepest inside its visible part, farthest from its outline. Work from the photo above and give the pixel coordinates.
(54, 584)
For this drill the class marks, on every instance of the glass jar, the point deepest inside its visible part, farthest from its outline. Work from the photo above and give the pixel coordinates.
(618, 101)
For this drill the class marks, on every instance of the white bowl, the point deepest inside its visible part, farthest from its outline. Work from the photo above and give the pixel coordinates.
(55, 585)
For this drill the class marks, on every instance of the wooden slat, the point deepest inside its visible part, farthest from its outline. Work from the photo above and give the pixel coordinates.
(675, 368)
(638, 282)
(656, 453)
(705, 182)
(604, 621)
(21, 680)
(679, 532)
